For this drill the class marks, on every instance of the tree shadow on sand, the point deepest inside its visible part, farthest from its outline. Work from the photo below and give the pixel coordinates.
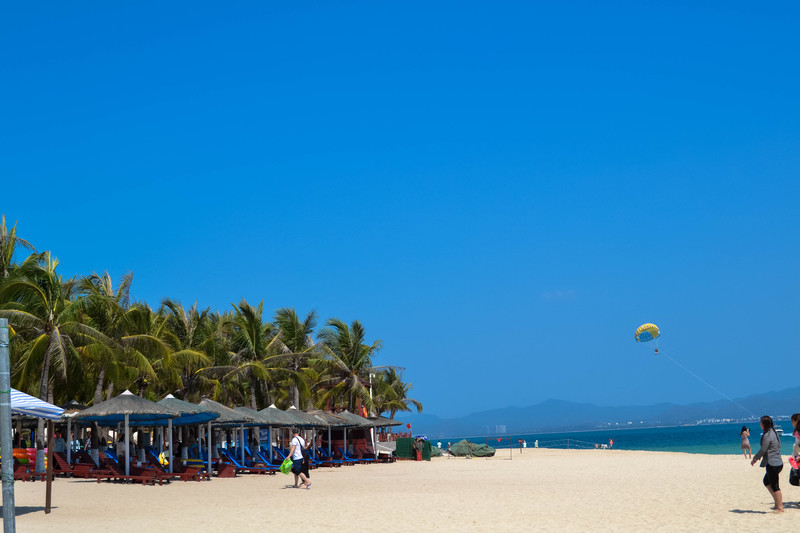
(21, 510)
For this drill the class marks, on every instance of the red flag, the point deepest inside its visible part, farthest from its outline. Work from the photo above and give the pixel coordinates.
(408, 426)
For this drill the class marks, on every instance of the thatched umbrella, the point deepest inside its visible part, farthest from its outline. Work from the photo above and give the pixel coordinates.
(268, 417)
(127, 408)
(276, 418)
(383, 422)
(190, 413)
(354, 420)
(331, 421)
(71, 409)
(230, 418)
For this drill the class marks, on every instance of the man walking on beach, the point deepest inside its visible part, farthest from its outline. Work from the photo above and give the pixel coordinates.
(296, 453)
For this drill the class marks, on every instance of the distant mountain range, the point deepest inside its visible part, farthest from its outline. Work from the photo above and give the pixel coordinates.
(558, 415)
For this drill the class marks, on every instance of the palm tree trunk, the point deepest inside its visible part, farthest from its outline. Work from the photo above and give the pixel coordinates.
(253, 396)
(98, 390)
(44, 391)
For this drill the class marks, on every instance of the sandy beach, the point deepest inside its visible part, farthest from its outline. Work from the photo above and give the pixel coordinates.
(538, 490)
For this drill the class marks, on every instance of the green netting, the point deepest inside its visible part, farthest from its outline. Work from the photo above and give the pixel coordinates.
(405, 449)
(464, 447)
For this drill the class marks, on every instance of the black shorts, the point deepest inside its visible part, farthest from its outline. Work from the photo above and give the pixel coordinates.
(771, 477)
(297, 466)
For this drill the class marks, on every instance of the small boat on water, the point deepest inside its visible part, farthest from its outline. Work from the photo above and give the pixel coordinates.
(779, 431)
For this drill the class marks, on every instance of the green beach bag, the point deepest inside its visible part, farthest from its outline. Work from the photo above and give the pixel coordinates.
(286, 465)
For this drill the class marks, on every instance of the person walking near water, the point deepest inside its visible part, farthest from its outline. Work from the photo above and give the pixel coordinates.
(770, 455)
(746, 449)
(296, 453)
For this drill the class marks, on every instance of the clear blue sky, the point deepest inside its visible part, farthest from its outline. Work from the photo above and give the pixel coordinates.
(501, 192)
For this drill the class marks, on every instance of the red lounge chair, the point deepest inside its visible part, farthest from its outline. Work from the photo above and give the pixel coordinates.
(184, 473)
(145, 475)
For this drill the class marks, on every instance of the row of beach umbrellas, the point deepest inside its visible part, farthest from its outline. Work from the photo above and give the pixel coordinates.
(130, 409)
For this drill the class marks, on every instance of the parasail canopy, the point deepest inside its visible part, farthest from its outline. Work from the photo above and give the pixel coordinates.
(647, 332)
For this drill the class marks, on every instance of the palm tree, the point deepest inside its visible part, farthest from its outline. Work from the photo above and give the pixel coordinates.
(297, 339)
(391, 394)
(247, 375)
(8, 243)
(39, 305)
(345, 364)
(189, 334)
(139, 351)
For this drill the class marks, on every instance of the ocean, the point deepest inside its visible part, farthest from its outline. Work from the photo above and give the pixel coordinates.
(714, 439)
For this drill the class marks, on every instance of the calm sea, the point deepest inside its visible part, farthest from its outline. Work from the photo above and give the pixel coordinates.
(709, 439)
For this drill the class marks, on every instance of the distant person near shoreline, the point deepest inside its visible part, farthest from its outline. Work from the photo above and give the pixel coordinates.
(746, 449)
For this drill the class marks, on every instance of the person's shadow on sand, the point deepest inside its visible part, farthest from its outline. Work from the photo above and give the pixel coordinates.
(747, 511)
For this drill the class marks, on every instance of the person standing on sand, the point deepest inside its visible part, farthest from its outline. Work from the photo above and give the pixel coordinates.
(746, 449)
(770, 455)
(296, 453)
(796, 435)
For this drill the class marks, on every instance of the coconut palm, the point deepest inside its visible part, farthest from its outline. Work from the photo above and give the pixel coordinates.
(39, 306)
(246, 377)
(391, 394)
(345, 364)
(8, 244)
(188, 334)
(297, 339)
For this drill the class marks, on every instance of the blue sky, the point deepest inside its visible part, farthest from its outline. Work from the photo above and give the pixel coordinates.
(500, 192)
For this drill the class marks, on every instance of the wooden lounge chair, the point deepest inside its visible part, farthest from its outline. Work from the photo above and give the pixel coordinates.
(184, 473)
(83, 465)
(344, 457)
(61, 465)
(326, 460)
(113, 472)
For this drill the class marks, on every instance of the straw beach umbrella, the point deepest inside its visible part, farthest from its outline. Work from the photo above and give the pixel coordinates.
(330, 421)
(354, 420)
(230, 418)
(190, 413)
(127, 408)
(71, 408)
(276, 418)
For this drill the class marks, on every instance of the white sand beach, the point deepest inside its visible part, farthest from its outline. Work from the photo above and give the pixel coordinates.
(538, 490)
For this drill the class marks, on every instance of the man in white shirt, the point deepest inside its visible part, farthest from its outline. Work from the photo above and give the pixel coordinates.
(298, 444)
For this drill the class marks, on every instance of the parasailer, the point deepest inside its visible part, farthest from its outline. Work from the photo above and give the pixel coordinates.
(647, 332)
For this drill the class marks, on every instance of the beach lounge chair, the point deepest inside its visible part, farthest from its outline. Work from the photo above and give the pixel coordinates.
(61, 465)
(244, 468)
(112, 471)
(184, 473)
(326, 459)
(365, 453)
(257, 459)
(338, 453)
(84, 466)
(354, 460)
